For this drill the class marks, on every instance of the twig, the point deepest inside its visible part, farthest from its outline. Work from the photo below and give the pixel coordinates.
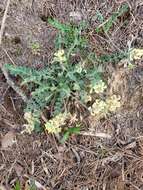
(8, 56)
(100, 135)
(3, 21)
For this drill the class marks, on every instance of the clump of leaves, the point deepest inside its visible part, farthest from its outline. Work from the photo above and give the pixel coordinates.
(62, 81)
(69, 132)
(69, 36)
(57, 84)
(112, 58)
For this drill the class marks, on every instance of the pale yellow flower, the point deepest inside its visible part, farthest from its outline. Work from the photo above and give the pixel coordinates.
(98, 87)
(51, 128)
(136, 54)
(31, 120)
(59, 56)
(99, 108)
(35, 47)
(113, 103)
(131, 66)
(54, 124)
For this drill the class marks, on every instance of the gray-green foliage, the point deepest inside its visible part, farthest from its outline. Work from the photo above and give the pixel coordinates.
(69, 36)
(58, 82)
(54, 83)
(106, 26)
(63, 80)
(108, 58)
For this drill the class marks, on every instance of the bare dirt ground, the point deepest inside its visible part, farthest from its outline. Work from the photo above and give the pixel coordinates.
(84, 162)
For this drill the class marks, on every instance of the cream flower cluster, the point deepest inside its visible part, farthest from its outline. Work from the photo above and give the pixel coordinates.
(54, 124)
(98, 87)
(31, 121)
(100, 108)
(59, 56)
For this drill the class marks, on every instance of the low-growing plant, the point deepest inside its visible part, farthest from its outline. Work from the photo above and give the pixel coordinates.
(60, 82)
(55, 85)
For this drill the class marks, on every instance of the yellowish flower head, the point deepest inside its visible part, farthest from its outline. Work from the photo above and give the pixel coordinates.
(99, 108)
(87, 98)
(54, 124)
(59, 56)
(113, 103)
(35, 47)
(136, 54)
(31, 120)
(28, 116)
(51, 128)
(99, 87)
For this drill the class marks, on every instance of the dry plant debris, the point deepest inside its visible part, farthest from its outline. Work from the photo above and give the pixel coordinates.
(8, 140)
(107, 152)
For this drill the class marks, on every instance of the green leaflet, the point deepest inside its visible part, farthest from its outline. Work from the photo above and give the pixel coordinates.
(69, 132)
(113, 18)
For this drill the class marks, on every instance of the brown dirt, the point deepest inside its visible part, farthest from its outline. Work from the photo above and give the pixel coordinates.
(84, 162)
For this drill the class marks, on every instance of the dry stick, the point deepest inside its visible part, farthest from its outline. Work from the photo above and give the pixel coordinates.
(100, 135)
(9, 56)
(3, 21)
(9, 80)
